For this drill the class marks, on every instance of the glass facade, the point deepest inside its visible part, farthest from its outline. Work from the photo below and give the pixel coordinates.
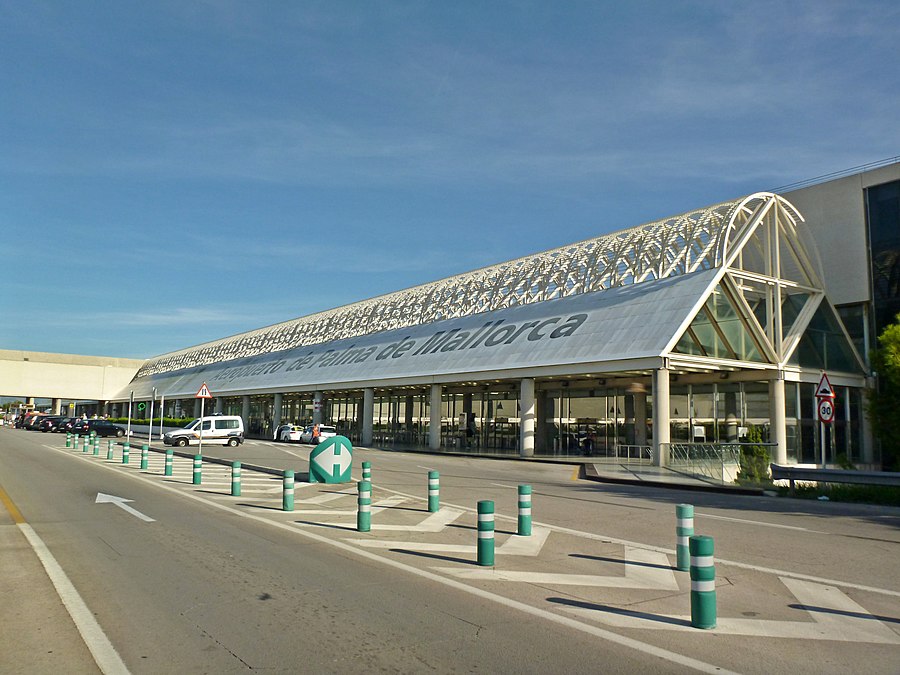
(883, 219)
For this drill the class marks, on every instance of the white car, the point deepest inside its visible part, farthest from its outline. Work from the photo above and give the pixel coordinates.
(289, 432)
(325, 431)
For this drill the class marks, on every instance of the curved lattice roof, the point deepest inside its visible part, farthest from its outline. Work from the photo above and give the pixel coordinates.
(674, 246)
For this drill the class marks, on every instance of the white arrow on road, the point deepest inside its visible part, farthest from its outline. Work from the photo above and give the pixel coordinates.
(120, 502)
(340, 458)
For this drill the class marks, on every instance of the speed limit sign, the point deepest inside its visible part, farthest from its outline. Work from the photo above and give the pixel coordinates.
(826, 410)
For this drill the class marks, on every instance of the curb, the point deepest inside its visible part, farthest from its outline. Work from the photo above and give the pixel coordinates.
(589, 472)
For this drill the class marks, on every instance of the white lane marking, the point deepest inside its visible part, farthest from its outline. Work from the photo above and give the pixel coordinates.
(433, 523)
(105, 655)
(530, 546)
(670, 551)
(376, 508)
(552, 617)
(758, 522)
(652, 571)
(835, 617)
(508, 487)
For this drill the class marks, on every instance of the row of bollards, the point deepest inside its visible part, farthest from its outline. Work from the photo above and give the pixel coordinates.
(693, 553)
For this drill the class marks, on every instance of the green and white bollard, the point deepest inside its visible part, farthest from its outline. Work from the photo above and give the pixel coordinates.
(364, 506)
(524, 511)
(170, 460)
(68, 440)
(287, 496)
(109, 450)
(126, 451)
(87, 444)
(198, 469)
(703, 582)
(684, 530)
(485, 552)
(367, 471)
(434, 492)
(235, 479)
(96, 445)
(75, 440)
(145, 452)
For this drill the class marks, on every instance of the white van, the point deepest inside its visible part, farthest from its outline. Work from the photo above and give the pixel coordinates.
(216, 430)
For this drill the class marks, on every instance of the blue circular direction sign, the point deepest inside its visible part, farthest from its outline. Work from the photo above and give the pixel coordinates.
(331, 461)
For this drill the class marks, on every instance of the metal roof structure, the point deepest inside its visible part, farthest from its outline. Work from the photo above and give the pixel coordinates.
(765, 279)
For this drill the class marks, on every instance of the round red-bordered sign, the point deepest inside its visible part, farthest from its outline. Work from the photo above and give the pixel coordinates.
(826, 410)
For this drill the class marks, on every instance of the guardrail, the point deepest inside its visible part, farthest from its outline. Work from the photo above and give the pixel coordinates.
(795, 473)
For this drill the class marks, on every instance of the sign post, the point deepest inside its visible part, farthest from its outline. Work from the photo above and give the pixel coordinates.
(203, 394)
(825, 397)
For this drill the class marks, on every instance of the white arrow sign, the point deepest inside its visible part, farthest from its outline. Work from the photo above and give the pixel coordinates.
(341, 458)
(120, 502)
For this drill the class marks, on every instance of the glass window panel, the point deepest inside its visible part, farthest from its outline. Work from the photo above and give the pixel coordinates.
(735, 332)
(824, 346)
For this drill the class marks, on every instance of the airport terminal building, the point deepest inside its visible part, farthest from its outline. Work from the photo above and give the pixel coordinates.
(701, 330)
(713, 327)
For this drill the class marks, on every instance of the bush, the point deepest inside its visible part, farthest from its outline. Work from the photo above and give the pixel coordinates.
(754, 460)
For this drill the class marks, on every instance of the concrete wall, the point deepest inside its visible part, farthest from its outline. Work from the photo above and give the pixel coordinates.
(835, 214)
(44, 375)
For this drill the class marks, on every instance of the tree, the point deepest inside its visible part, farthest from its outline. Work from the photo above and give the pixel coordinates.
(884, 400)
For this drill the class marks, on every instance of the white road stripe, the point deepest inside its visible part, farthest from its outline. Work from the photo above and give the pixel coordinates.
(105, 655)
(757, 522)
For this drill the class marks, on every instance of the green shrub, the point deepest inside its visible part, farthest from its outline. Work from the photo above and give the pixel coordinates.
(754, 460)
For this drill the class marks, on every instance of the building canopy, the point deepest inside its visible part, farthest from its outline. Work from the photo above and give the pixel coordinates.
(727, 287)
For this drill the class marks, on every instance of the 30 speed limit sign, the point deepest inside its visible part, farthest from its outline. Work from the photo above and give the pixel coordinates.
(826, 410)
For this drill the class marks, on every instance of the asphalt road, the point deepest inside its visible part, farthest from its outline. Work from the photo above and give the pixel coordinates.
(192, 580)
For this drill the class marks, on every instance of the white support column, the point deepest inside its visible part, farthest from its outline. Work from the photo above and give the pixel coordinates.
(56, 405)
(526, 417)
(245, 411)
(434, 416)
(640, 419)
(318, 407)
(778, 418)
(661, 422)
(368, 413)
(220, 405)
(277, 404)
(197, 407)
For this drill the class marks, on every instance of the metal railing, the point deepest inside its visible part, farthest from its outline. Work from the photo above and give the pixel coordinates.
(719, 462)
(631, 454)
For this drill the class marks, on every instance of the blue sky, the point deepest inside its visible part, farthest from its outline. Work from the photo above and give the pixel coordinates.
(177, 172)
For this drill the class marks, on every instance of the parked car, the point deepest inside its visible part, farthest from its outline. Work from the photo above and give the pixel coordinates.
(289, 432)
(101, 427)
(325, 431)
(60, 426)
(69, 424)
(216, 430)
(50, 422)
(33, 422)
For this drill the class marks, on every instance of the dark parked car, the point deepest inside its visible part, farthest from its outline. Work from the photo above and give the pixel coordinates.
(102, 427)
(33, 423)
(50, 422)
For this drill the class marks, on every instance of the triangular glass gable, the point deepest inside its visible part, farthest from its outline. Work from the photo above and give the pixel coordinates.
(792, 268)
(824, 346)
(792, 303)
(718, 332)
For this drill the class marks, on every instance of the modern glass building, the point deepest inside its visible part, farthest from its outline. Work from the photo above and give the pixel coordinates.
(709, 327)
